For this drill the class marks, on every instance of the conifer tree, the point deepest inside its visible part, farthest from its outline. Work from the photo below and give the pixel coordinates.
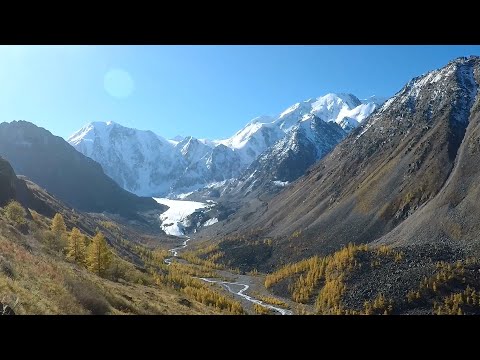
(99, 255)
(58, 226)
(57, 239)
(76, 246)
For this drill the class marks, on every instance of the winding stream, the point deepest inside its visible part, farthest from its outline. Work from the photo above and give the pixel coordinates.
(174, 251)
(229, 285)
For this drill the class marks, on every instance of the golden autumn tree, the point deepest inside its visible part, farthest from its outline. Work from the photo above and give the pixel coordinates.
(76, 246)
(58, 226)
(86, 240)
(57, 239)
(99, 255)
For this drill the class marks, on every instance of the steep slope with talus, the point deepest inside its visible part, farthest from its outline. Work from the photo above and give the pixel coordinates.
(381, 173)
(452, 216)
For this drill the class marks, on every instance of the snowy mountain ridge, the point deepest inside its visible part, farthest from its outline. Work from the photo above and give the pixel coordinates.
(147, 164)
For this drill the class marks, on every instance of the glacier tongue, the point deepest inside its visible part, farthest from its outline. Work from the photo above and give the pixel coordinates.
(174, 220)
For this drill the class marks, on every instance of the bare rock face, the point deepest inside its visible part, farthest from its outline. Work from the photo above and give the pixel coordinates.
(7, 182)
(290, 157)
(6, 310)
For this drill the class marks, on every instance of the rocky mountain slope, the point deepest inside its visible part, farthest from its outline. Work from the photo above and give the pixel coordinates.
(289, 158)
(452, 215)
(8, 182)
(52, 163)
(397, 165)
(149, 165)
(14, 188)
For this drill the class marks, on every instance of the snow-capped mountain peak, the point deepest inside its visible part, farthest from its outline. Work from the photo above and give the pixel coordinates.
(175, 140)
(129, 155)
(147, 164)
(253, 139)
(297, 107)
(377, 100)
(290, 117)
(260, 119)
(344, 109)
(332, 101)
(192, 149)
(262, 132)
(458, 71)
(86, 133)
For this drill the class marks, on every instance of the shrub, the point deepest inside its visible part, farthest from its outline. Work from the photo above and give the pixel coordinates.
(261, 310)
(76, 246)
(15, 213)
(89, 296)
(37, 218)
(54, 242)
(6, 268)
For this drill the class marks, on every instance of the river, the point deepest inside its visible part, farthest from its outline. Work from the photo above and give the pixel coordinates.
(235, 288)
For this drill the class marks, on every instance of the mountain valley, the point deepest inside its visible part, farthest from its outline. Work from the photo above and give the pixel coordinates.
(335, 205)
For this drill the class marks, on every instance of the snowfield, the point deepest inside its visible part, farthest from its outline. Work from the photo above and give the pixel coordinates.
(173, 220)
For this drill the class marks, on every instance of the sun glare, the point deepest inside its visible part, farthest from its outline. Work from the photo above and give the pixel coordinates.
(118, 83)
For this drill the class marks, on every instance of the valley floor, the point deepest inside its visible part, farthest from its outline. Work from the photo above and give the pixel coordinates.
(199, 277)
(246, 288)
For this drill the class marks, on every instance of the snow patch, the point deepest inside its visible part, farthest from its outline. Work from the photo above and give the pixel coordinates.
(210, 222)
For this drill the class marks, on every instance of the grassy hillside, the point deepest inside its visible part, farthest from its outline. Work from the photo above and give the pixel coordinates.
(36, 278)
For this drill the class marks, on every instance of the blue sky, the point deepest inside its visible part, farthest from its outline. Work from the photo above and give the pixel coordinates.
(203, 91)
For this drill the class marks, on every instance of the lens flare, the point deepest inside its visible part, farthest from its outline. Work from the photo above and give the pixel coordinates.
(118, 83)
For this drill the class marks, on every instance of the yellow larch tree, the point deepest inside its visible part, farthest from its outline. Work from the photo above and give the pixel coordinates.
(58, 233)
(58, 226)
(99, 255)
(76, 246)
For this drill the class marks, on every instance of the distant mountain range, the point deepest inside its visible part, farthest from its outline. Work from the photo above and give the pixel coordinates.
(149, 165)
(53, 164)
